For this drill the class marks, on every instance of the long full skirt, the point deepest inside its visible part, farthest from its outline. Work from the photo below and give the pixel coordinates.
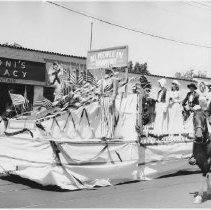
(107, 118)
(161, 119)
(176, 125)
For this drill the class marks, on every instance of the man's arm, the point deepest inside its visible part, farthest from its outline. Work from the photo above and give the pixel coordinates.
(125, 81)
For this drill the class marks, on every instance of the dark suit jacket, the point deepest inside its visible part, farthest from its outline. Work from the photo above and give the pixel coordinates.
(195, 100)
(163, 97)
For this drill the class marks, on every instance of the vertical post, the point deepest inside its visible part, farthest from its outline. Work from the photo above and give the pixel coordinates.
(126, 86)
(90, 47)
(25, 98)
(140, 110)
(70, 68)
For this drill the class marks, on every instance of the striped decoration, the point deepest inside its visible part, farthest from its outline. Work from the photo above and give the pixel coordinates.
(43, 103)
(107, 119)
(72, 78)
(88, 77)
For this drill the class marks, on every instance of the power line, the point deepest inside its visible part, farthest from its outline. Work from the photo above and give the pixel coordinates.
(129, 29)
(193, 5)
(175, 12)
(197, 5)
(200, 3)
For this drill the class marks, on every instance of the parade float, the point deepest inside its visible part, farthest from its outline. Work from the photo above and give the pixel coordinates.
(69, 145)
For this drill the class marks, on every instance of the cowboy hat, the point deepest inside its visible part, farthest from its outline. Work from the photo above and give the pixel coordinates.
(108, 71)
(192, 85)
(144, 82)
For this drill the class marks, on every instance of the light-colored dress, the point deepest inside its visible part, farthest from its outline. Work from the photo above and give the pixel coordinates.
(175, 117)
(128, 115)
(161, 120)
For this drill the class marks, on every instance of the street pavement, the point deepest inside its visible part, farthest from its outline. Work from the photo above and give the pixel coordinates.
(169, 192)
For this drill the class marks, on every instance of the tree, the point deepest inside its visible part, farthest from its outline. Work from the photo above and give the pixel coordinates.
(138, 68)
(201, 74)
(178, 75)
(144, 69)
(190, 74)
(130, 66)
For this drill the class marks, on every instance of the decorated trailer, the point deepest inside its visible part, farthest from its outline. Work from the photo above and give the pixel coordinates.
(66, 148)
(87, 140)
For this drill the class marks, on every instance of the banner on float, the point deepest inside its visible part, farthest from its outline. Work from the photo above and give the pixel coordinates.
(107, 58)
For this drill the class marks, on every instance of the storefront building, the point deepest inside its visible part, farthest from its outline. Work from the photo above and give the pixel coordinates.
(26, 72)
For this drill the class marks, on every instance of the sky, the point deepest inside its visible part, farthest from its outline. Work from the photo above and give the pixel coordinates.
(43, 26)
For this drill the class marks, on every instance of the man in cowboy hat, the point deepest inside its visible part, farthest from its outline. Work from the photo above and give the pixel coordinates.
(191, 104)
(191, 99)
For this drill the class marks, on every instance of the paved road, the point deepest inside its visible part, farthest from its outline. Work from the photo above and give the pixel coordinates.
(174, 191)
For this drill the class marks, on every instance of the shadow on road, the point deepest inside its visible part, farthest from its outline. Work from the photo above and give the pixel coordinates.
(180, 173)
(19, 180)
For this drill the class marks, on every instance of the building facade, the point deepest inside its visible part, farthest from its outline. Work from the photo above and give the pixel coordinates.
(27, 72)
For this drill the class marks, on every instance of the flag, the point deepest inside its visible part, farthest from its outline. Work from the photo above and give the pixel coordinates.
(44, 103)
(81, 79)
(72, 78)
(17, 99)
(88, 77)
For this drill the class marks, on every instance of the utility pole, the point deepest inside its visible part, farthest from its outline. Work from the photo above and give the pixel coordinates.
(90, 47)
(91, 37)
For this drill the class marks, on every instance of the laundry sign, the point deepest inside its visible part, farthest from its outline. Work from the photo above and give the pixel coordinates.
(21, 71)
(107, 58)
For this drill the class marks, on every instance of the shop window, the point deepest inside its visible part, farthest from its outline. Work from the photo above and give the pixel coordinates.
(24, 90)
(49, 93)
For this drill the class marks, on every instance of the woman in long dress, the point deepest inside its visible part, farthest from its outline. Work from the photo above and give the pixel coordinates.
(160, 124)
(175, 117)
(129, 123)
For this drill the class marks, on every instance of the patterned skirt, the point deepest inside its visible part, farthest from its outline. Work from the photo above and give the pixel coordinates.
(107, 117)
